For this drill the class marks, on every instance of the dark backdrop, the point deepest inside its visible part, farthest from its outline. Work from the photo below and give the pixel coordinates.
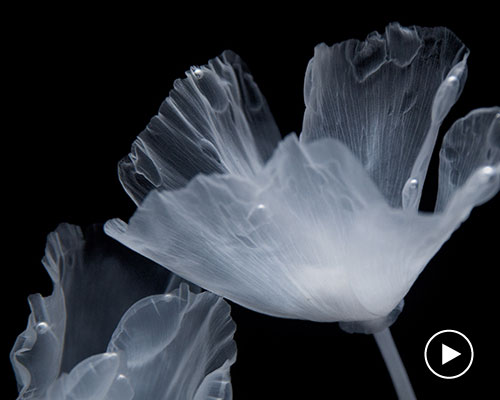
(86, 82)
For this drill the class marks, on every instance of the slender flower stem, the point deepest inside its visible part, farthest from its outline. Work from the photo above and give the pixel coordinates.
(394, 364)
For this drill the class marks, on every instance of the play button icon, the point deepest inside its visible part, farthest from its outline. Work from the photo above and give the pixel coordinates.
(448, 354)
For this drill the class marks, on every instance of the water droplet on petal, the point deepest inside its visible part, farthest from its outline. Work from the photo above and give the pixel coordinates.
(197, 72)
(258, 215)
(488, 173)
(488, 170)
(42, 327)
(410, 194)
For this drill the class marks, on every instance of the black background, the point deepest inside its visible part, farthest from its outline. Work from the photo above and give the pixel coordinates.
(83, 83)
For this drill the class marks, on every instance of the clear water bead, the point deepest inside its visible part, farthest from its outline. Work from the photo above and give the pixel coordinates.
(42, 327)
(488, 173)
(410, 194)
(197, 72)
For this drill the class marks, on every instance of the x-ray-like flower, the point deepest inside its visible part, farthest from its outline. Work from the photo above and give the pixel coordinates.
(105, 334)
(328, 227)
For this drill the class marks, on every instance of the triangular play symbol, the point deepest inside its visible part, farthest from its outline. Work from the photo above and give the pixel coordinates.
(448, 354)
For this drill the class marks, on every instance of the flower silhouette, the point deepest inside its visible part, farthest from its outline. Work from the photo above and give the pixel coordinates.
(108, 331)
(327, 228)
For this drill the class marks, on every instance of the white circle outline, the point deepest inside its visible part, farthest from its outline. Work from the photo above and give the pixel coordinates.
(471, 355)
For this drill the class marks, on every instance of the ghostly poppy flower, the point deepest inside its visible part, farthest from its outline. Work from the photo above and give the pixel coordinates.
(327, 228)
(105, 334)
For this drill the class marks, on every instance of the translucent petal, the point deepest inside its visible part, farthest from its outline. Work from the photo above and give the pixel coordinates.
(165, 346)
(88, 271)
(374, 325)
(215, 120)
(102, 273)
(309, 236)
(469, 175)
(177, 346)
(173, 346)
(95, 378)
(216, 385)
(37, 353)
(385, 98)
(471, 146)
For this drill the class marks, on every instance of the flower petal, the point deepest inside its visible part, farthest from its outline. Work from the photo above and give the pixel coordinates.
(309, 236)
(171, 346)
(177, 346)
(385, 99)
(469, 173)
(375, 325)
(471, 145)
(216, 384)
(95, 378)
(215, 120)
(37, 353)
(88, 271)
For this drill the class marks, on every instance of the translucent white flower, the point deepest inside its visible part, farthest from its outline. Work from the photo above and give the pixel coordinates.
(104, 334)
(328, 227)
